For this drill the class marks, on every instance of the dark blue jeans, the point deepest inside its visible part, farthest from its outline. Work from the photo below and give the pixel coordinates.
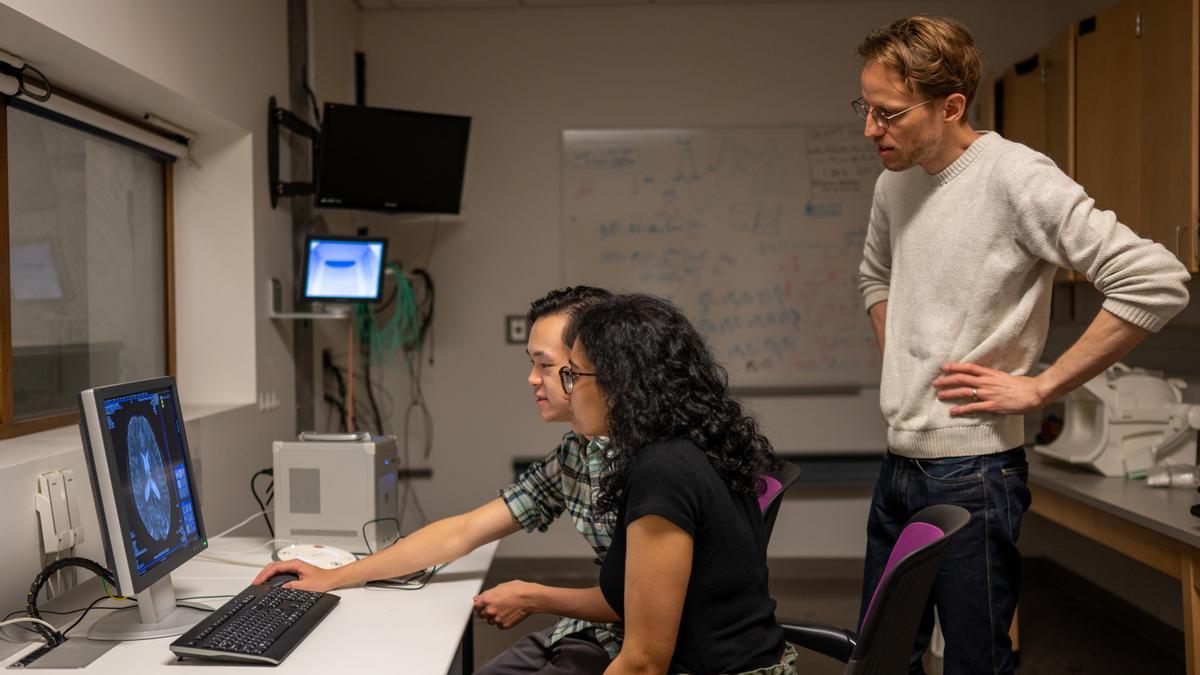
(979, 579)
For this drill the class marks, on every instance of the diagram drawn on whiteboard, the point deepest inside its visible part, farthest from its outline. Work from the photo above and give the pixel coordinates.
(756, 233)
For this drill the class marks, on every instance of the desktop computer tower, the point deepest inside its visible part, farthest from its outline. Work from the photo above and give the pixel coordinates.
(329, 491)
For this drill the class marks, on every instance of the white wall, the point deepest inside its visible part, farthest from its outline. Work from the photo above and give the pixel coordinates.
(525, 74)
(209, 67)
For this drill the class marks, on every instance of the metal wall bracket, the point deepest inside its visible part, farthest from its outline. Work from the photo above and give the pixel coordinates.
(275, 307)
(282, 117)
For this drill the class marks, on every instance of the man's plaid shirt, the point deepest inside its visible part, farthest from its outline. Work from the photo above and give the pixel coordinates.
(566, 480)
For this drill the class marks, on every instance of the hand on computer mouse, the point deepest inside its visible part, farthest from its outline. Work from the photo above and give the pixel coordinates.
(295, 574)
(282, 578)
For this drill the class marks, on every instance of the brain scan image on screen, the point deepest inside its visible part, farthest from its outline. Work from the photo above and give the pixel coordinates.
(148, 478)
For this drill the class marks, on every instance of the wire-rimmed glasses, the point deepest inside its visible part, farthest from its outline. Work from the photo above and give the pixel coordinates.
(882, 119)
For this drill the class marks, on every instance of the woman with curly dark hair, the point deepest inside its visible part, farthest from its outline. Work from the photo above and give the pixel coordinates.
(686, 570)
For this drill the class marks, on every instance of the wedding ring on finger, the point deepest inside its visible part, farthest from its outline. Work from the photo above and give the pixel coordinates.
(974, 393)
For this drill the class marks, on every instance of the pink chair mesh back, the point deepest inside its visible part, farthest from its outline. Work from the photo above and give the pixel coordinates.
(914, 536)
(767, 489)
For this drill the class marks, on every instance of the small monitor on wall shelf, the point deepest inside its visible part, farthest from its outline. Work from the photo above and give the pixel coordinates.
(399, 161)
(343, 269)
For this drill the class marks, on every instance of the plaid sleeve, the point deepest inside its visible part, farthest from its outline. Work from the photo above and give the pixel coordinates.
(536, 498)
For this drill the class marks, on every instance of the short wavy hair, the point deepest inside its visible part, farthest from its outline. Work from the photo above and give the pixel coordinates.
(572, 301)
(932, 54)
(662, 382)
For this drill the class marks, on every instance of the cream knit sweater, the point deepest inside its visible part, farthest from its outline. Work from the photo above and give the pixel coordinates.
(965, 259)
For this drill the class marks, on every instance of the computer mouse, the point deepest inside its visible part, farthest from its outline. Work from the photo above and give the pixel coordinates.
(281, 579)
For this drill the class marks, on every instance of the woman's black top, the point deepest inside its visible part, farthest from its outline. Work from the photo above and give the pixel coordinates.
(728, 623)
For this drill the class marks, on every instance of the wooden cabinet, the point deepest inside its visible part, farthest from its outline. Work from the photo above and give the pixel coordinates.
(1058, 84)
(1038, 103)
(1136, 120)
(1107, 157)
(1169, 129)
(1115, 101)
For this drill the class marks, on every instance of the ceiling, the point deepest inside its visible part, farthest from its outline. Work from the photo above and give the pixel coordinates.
(384, 5)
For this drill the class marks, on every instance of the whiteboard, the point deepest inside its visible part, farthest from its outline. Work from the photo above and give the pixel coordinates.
(756, 234)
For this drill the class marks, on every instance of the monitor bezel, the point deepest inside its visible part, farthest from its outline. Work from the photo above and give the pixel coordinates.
(102, 467)
(308, 240)
(321, 197)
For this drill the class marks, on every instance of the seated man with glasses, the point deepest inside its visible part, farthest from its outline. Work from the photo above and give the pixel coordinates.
(562, 482)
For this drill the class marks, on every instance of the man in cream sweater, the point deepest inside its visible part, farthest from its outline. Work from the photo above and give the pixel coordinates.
(965, 233)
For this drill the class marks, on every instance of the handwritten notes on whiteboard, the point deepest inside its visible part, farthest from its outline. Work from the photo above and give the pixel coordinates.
(756, 233)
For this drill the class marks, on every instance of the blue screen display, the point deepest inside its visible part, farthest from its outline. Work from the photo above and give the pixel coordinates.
(343, 269)
(151, 475)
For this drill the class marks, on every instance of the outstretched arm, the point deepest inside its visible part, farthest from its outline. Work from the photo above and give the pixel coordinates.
(658, 565)
(1105, 341)
(436, 543)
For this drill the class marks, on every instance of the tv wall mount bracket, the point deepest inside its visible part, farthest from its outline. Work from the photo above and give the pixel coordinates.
(282, 117)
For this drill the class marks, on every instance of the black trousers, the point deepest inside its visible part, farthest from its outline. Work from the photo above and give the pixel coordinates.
(578, 653)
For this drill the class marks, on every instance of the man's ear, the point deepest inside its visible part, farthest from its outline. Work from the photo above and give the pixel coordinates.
(956, 108)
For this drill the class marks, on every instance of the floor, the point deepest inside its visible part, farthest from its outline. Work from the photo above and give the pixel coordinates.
(1064, 627)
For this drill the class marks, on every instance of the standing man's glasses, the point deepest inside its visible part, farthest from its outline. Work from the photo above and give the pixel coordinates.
(882, 117)
(568, 378)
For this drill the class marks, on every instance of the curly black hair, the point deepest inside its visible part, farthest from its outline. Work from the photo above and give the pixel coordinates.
(662, 381)
(572, 301)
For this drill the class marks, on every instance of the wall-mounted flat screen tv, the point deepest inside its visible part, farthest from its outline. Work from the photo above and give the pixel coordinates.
(399, 161)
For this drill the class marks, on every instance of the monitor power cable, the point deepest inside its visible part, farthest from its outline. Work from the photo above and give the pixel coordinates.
(269, 495)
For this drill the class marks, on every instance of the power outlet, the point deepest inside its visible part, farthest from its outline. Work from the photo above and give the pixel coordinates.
(516, 329)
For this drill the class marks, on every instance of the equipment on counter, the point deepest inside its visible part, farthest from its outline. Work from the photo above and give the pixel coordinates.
(336, 490)
(1125, 421)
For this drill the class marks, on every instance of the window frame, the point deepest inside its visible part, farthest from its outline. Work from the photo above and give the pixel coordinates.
(10, 428)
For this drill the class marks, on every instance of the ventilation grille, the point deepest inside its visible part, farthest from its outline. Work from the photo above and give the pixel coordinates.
(305, 490)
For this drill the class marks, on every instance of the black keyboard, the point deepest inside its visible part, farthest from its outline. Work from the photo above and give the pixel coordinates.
(262, 624)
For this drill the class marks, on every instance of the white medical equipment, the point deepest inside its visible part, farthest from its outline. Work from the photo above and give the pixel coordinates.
(1126, 421)
(337, 490)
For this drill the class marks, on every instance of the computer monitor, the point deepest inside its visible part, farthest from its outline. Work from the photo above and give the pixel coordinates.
(146, 500)
(343, 269)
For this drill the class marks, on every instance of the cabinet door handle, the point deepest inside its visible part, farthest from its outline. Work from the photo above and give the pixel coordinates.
(1178, 250)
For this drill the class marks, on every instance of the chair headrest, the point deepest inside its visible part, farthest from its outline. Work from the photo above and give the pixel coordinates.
(767, 487)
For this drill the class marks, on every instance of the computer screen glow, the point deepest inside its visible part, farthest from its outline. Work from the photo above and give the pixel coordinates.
(152, 475)
(339, 269)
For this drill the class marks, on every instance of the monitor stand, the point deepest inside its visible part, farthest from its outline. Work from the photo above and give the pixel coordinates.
(157, 615)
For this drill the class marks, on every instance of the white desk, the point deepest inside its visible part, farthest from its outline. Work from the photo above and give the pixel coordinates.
(370, 630)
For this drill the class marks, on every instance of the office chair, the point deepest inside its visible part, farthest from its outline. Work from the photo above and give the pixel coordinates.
(884, 643)
(770, 492)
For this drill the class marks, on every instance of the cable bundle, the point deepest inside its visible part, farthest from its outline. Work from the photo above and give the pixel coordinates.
(405, 329)
(55, 637)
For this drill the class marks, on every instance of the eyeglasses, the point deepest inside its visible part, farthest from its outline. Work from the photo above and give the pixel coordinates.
(568, 378)
(882, 119)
